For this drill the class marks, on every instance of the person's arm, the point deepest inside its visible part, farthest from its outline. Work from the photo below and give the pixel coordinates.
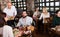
(32, 23)
(10, 32)
(49, 14)
(34, 15)
(7, 31)
(18, 24)
(15, 13)
(4, 10)
(31, 20)
(41, 16)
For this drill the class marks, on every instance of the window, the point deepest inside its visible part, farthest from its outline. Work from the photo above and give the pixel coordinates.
(20, 4)
(40, 4)
(52, 9)
(47, 4)
(40, 8)
(56, 3)
(47, 0)
(43, 0)
(51, 0)
(24, 8)
(56, 9)
(47, 8)
(43, 4)
(40, 0)
(51, 3)
(13, 3)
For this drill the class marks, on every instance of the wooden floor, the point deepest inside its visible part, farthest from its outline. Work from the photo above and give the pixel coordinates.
(39, 34)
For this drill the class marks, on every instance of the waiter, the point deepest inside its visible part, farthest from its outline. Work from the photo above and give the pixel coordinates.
(11, 12)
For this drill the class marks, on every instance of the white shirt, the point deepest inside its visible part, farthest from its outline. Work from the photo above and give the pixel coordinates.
(36, 14)
(25, 21)
(43, 16)
(1, 30)
(10, 12)
(7, 31)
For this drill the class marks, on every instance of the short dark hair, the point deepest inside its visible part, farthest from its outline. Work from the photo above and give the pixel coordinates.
(23, 11)
(2, 14)
(2, 22)
(36, 8)
(57, 11)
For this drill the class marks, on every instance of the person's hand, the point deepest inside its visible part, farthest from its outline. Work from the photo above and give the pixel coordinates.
(6, 19)
(12, 17)
(37, 18)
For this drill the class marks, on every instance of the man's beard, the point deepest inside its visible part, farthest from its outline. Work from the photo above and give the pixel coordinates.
(24, 16)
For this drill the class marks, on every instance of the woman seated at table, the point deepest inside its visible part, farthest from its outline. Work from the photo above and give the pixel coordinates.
(56, 19)
(36, 14)
(5, 30)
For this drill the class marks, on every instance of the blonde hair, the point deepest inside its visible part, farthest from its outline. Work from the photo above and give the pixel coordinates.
(45, 10)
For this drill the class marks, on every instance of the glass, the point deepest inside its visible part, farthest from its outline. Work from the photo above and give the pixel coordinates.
(24, 5)
(13, 3)
(43, 0)
(52, 9)
(40, 1)
(56, 8)
(47, 0)
(21, 5)
(18, 5)
(56, 3)
(24, 2)
(47, 8)
(43, 4)
(40, 8)
(47, 4)
(51, 0)
(40, 4)
(20, 0)
(24, 8)
(51, 3)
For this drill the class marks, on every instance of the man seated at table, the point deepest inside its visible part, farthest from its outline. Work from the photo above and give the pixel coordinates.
(24, 20)
(55, 30)
(56, 19)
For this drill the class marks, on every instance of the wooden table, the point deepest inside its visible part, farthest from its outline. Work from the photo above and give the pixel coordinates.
(54, 33)
(22, 32)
